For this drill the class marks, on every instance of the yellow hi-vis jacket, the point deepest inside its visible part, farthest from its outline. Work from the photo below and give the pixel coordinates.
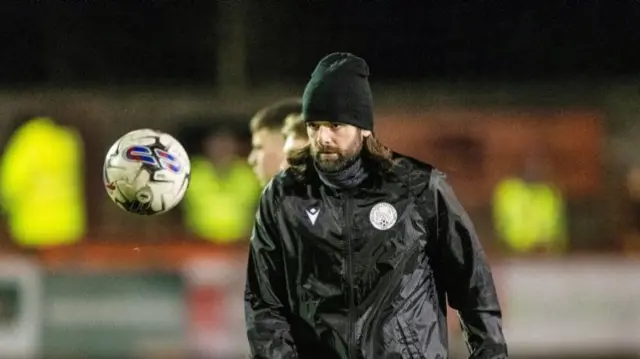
(221, 207)
(529, 216)
(41, 184)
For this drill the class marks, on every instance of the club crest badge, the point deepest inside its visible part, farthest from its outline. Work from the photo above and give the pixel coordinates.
(383, 216)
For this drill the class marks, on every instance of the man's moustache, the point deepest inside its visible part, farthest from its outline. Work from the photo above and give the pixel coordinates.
(327, 151)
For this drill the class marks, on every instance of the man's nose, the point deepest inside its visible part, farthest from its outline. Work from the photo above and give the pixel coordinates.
(324, 135)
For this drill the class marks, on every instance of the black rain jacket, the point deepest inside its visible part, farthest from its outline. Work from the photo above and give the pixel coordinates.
(344, 275)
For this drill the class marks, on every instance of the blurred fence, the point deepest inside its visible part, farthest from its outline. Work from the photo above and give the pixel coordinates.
(192, 306)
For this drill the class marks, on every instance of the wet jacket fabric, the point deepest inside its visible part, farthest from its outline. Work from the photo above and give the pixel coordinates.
(367, 273)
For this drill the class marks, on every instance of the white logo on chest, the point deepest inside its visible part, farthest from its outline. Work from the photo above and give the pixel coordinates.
(312, 213)
(383, 216)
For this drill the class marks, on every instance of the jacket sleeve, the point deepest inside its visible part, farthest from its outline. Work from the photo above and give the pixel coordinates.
(268, 330)
(467, 277)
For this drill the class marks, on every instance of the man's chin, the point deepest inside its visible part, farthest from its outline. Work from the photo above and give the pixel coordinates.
(263, 180)
(329, 165)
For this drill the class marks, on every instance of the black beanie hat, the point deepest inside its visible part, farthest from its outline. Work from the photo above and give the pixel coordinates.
(339, 92)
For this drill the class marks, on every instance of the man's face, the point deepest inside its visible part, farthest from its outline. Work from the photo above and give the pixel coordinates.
(291, 143)
(221, 148)
(266, 154)
(334, 145)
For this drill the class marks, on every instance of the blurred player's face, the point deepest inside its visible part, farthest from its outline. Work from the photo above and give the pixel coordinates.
(291, 143)
(221, 148)
(266, 154)
(334, 146)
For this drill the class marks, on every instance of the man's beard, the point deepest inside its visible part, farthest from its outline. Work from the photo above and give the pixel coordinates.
(336, 161)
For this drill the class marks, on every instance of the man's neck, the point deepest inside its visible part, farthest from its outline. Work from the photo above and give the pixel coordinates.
(349, 177)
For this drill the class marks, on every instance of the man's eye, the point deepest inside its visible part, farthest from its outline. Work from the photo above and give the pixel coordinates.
(336, 126)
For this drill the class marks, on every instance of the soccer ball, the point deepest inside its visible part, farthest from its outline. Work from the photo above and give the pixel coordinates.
(146, 172)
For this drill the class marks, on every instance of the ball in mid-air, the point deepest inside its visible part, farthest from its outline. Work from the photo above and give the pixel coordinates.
(146, 172)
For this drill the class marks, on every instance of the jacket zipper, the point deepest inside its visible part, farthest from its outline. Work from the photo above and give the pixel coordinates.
(350, 317)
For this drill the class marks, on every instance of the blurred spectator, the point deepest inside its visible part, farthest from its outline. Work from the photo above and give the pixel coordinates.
(41, 183)
(295, 136)
(529, 211)
(220, 202)
(267, 141)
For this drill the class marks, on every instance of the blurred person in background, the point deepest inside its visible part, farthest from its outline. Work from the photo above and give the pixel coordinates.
(529, 211)
(295, 136)
(223, 192)
(267, 142)
(631, 237)
(42, 183)
(356, 249)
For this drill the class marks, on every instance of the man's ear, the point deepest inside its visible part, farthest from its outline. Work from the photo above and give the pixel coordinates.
(366, 133)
